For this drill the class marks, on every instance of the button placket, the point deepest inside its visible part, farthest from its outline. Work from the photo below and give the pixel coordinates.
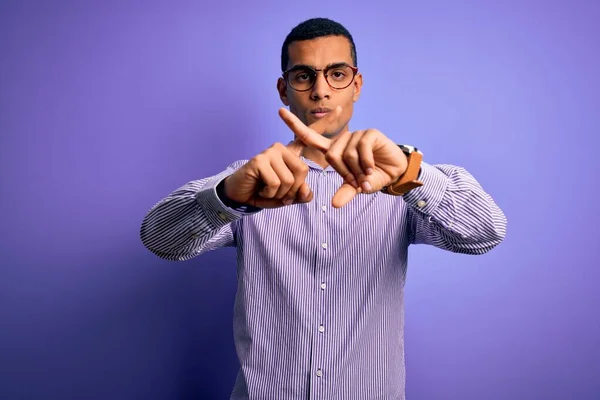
(322, 208)
(319, 216)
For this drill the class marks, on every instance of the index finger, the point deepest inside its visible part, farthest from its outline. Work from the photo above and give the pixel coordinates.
(309, 135)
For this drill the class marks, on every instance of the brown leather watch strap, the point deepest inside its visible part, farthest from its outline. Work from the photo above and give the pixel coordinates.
(408, 181)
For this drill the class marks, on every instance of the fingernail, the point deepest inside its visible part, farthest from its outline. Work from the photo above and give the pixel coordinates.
(366, 186)
(369, 171)
(287, 202)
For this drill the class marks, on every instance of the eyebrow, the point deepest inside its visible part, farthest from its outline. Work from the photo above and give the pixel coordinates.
(331, 65)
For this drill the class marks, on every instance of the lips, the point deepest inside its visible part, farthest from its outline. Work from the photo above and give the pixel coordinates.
(320, 112)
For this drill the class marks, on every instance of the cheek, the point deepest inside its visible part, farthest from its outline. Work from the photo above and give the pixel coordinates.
(348, 109)
(349, 99)
(296, 101)
(298, 111)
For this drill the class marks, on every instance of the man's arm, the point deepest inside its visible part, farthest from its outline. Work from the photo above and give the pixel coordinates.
(191, 220)
(451, 211)
(202, 215)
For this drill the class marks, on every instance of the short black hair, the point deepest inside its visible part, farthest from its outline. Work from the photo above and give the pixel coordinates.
(315, 28)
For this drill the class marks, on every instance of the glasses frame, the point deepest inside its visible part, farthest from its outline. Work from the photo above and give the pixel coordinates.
(286, 75)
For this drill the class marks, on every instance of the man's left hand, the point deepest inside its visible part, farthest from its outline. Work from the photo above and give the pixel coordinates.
(366, 159)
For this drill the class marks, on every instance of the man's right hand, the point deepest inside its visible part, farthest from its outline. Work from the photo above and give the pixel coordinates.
(276, 177)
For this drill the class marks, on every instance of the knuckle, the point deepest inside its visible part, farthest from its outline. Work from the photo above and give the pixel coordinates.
(350, 156)
(287, 181)
(277, 146)
(331, 157)
(302, 135)
(257, 160)
(261, 158)
(274, 183)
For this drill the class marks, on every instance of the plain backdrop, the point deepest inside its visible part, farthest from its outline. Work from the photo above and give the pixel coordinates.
(106, 107)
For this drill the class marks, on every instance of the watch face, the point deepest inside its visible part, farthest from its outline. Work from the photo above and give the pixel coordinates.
(408, 148)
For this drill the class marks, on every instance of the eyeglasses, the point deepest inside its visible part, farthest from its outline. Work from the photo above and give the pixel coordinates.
(302, 77)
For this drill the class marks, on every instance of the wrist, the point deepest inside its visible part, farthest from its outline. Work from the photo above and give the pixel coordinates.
(222, 194)
(409, 180)
(228, 202)
(402, 165)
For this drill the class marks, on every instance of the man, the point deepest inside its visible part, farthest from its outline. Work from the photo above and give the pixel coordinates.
(322, 227)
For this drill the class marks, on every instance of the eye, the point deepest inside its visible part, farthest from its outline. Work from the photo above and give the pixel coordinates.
(301, 75)
(338, 74)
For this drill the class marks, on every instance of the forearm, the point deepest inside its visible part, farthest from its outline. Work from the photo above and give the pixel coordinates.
(453, 212)
(189, 221)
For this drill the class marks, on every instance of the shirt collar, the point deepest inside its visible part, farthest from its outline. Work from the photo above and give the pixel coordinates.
(313, 165)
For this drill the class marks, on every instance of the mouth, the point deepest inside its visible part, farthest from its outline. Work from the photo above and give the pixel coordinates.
(320, 112)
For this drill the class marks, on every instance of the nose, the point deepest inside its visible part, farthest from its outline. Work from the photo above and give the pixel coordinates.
(321, 89)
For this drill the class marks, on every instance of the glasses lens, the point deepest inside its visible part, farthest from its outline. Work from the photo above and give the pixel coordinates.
(340, 77)
(301, 78)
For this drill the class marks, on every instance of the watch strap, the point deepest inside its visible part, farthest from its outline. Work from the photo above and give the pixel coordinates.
(409, 180)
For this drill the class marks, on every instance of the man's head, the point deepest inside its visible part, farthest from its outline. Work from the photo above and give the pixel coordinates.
(319, 66)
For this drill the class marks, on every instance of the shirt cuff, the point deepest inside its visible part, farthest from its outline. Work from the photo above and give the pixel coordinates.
(427, 198)
(217, 212)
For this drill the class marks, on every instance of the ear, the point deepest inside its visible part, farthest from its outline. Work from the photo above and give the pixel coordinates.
(282, 90)
(357, 86)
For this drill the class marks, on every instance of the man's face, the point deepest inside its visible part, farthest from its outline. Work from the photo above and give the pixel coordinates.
(319, 54)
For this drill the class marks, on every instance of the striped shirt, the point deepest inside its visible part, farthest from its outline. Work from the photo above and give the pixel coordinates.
(319, 310)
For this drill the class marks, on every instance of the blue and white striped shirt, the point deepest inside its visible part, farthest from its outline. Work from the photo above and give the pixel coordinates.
(319, 310)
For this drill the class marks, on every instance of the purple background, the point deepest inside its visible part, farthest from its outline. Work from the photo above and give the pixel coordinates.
(106, 108)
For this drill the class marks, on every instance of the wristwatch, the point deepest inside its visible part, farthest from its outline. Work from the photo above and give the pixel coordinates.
(409, 180)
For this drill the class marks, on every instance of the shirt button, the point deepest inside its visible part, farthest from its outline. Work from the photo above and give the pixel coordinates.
(324, 208)
(421, 203)
(195, 236)
(222, 216)
(323, 285)
(319, 372)
(324, 245)
(321, 328)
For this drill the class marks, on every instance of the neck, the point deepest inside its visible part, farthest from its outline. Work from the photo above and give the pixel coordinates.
(316, 155)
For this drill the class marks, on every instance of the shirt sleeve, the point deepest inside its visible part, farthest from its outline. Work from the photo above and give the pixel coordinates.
(451, 211)
(191, 220)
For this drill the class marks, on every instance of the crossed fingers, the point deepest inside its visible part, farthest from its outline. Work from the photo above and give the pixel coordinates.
(350, 154)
